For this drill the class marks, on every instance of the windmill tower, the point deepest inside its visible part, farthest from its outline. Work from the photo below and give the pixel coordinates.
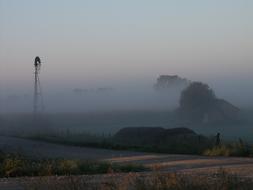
(37, 97)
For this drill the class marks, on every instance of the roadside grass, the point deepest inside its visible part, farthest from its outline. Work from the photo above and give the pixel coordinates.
(230, 149)
(13, 165)
(219, 180)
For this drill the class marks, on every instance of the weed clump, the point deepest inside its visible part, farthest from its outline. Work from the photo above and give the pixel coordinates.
(232, 149)
(13, 165)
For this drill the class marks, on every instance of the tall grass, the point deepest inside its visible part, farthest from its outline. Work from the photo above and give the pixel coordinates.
(230, 149)
(13, 165)
(219, 180)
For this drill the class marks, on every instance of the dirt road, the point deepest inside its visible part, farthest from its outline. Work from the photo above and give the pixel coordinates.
(163, 162)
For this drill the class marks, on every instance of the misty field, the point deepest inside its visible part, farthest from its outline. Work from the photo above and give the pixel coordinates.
(109, 122)
(126, 95)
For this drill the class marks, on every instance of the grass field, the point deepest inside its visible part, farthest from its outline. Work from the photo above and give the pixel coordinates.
(15, 165)
(108, 123)
(218, 180)
(185, 166)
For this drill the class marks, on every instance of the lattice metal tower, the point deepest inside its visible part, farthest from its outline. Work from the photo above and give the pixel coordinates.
(37, 97)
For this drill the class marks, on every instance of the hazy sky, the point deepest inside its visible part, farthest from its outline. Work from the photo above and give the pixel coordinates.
(107, 42)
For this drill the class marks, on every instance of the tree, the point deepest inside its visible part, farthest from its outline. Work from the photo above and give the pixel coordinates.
(196, 100)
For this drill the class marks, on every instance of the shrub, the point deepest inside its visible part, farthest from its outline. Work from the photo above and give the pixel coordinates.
(234, 149)
(13, 166)
(67, 167)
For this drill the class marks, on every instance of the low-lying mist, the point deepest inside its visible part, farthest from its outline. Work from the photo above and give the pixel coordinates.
(111, 98)
(94, 99)
(106, 109)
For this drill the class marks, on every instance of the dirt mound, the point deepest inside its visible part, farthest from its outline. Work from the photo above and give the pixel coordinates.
(179, 131)
(149, 135)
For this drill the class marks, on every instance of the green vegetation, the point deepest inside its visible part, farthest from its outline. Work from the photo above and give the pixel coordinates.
(12, 165)
(232, 149)
(220, 180)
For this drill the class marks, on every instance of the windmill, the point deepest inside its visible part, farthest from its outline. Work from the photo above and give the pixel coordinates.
(37, 97)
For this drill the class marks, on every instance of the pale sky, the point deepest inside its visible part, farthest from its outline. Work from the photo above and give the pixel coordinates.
(108, 42)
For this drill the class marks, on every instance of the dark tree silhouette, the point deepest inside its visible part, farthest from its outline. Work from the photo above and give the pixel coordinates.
(198, 104)
(197, 95)
(195, 100)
